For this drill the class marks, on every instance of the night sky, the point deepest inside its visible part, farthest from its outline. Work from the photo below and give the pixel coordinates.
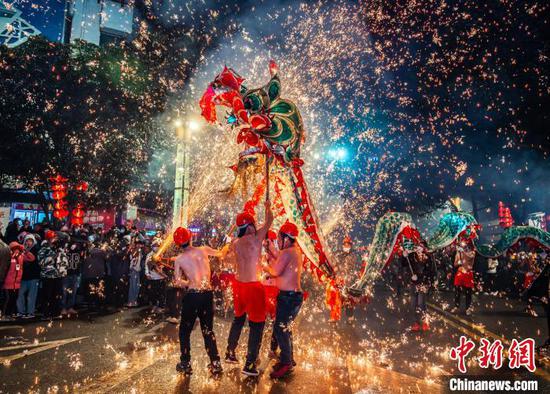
(423, 101)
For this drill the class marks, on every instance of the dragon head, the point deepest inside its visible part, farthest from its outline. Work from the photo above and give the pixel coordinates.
(265, 122)
(224, 90)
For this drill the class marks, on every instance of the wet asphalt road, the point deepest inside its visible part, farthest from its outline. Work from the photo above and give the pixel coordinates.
(135, 351)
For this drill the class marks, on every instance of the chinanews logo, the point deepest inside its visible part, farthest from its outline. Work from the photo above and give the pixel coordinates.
(493, 355)
(520, 354)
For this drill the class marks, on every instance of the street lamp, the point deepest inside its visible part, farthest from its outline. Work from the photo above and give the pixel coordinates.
(180, 215)
(338, 154)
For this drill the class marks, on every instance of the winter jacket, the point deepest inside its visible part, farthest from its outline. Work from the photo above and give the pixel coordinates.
(15, 273)
(94, 265)
(53, 262)
(31, 269)
(76, 253)
(5, 257)
(119, 264)
(422, 274)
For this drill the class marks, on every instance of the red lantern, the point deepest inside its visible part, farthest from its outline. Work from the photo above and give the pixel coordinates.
(77, 221)
(506, 221)
(59, 187)
(82, 186)
(58, 179)
(61, 204)
(78, 213)
(500, 209)
(60, 213)
(59, 195)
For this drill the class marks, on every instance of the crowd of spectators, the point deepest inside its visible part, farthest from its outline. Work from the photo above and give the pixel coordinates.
(46, 273)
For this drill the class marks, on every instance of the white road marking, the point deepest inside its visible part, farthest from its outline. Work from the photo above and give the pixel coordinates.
(34, 348)
(10, 327)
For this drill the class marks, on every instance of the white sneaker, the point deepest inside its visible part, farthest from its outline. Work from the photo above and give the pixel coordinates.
(173, 320)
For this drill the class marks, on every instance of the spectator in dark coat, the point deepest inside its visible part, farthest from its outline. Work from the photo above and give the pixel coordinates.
(422, 275)
(93, 276)
(12, 231)
(26, 228)
(75, 252)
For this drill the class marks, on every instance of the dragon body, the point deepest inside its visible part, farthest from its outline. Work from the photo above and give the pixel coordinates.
(396, 232)
(511, 236)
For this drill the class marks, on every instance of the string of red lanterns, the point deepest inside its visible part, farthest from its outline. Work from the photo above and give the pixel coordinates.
(59, 190)
(505, 219)
(77, 217)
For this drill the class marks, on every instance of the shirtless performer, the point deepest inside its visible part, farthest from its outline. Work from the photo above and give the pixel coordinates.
(248, 291)
(192, 271)
(287, 271)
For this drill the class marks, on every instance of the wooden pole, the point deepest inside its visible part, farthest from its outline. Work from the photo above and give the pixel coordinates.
(266, 177)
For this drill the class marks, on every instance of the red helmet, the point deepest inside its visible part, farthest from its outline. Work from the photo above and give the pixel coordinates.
(245, 218)
(289, 229)
(182, 236)
(50, 234)
(271, 235)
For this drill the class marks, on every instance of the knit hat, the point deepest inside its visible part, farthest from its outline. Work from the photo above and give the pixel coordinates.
(50, 235)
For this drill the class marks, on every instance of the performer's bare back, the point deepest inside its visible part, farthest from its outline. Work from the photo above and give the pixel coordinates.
(194, 264)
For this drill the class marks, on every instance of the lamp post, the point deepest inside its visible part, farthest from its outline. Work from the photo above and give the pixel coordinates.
(180, 215)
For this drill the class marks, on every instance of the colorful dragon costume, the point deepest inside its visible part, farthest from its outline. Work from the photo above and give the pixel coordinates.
(271, 127)
(536, 237)
(395, 232)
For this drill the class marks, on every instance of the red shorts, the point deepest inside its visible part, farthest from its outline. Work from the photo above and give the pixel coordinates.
(271, 293)
(464, 279)
(249, 298)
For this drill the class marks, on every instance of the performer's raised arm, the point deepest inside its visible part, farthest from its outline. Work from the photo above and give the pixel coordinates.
(211, 251)
(262, 231)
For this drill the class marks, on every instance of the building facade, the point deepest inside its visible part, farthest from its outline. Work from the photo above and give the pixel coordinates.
(14, 28)
(98, 22)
